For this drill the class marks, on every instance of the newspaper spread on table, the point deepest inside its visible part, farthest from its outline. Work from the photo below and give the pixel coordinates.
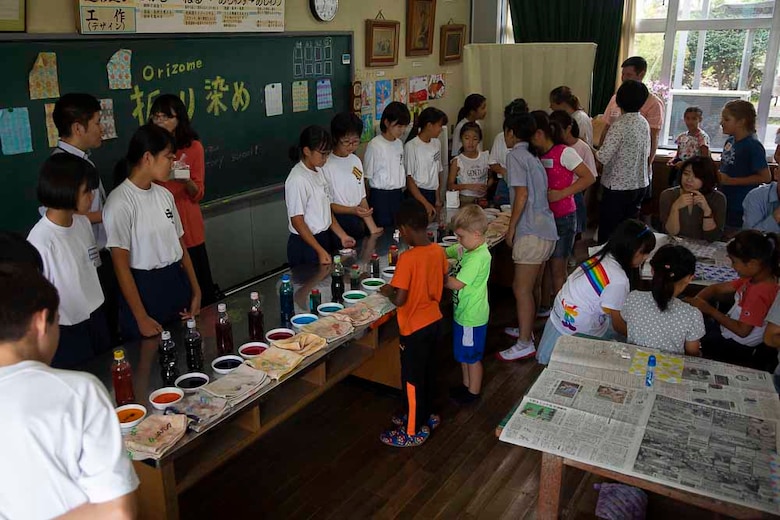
(714, 433)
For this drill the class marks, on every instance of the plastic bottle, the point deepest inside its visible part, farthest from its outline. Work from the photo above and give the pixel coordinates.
(650, 374)
(224, 331)
(392, 256)
(375, 272)
(255, 318)
(194, 347)
(286, 303)
(122, 378)
(315, 300)
(337, 282)
(354, 277)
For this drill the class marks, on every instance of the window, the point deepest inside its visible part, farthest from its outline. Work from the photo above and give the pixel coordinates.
(708, 52)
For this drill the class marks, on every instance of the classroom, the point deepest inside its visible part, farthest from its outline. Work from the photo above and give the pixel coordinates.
(248, 250)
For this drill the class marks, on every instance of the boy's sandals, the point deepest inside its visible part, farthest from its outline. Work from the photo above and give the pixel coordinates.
(401, 439)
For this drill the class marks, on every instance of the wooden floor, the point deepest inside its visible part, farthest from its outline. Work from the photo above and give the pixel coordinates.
(327, 461)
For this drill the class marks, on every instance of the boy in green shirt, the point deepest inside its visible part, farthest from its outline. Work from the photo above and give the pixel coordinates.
(472, 311)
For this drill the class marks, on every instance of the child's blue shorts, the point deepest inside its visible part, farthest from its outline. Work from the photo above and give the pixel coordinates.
(468, 343)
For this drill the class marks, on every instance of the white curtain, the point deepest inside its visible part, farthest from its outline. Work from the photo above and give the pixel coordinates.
(502, 72)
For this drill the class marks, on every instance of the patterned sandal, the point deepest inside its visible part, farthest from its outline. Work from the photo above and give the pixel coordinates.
(401, 439)
(399, 420)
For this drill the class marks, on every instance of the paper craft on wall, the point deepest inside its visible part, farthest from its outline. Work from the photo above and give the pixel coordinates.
(119, 71)
(43, 80)
(367, 96)
(15, 131)
(107, 122)
(52, 134)
(273, 100)
(368, 126)
(384, 95)
(418, 89)
(324, 94)
(436, 86)
(401, 90)
(300, 93)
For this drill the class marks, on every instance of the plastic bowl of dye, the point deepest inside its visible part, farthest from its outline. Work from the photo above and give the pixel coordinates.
(226, 364)
(130, 415)
(299, 320)
(326, 309)
(388, 273)
(506, 208)
(278, 334)
(353, 297)
(165, 397)
(452, 239)
(252, 349)
(372, 285)
(191, 382)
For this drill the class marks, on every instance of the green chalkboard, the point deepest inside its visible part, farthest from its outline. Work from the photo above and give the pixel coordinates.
(245, 148)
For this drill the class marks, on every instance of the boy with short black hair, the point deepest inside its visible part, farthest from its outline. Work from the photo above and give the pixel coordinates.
(344, 172)
(416, 290)
(77, 449)
(470, 297)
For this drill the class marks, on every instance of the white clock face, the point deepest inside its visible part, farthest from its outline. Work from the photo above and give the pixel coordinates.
(326, 10)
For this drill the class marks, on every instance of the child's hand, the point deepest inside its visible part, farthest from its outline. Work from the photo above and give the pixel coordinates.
(700, 304)
(555, 195)
(348, 241)
(323, 257)
(700, 201)
(387, 290)
(683, 201)
(362, 212)
(430, 210)
(509, 238)
(148, 327)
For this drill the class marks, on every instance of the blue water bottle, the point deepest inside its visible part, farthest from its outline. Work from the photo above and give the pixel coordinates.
(286, 303)
(650, 374)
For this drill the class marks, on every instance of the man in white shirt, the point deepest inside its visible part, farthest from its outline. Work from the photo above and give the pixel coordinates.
(60, 442)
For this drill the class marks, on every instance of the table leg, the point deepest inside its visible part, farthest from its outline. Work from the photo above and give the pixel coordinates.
(550, 480)
(157, 497)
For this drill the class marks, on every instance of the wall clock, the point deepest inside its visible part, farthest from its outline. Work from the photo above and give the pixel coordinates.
(324, 10)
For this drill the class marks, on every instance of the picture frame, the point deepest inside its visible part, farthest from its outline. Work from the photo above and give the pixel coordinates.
(452, 39)
(382, 43)
(420, 19)
(14, 16)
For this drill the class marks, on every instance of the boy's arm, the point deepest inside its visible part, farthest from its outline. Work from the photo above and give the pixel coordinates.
(122, 508)
(396, 295)
(454, 284)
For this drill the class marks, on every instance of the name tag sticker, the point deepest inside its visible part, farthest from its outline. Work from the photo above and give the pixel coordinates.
(547, 163)
(94, 256)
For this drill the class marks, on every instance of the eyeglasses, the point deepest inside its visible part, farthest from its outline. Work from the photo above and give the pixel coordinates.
(349, 142)
(159, 116)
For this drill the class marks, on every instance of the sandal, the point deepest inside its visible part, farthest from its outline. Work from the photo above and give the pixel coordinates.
(401, 439)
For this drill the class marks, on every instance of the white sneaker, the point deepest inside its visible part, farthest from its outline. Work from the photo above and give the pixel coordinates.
(512, 331)
(518, 351)
(543, 312)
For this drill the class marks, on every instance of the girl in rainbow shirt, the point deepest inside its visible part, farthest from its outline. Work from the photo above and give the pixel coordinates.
(593, 295)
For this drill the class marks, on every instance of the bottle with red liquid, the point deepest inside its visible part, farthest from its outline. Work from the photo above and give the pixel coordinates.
(392, 256)
(224, 331)
(122, 377)
(255, 318)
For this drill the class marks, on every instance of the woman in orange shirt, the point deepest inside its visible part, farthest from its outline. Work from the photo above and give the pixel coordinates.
(169, 112)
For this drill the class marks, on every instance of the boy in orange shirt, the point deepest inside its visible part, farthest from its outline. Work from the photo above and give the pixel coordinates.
(416, 290)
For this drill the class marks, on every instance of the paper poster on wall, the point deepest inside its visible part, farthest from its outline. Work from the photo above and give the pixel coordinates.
(367, 96)
(436, 86)
(384, 95)
(15, 132)
(273, 100)
(52, 134)
(300, 93)
(107, 122)
(401, 90)
(43, 80)
(368, 126)
(324, 94)
(418, 89)
(118, 70)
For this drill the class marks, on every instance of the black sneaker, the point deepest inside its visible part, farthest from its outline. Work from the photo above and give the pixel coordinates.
(467, 398)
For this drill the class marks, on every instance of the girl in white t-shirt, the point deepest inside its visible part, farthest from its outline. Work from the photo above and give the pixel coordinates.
(499, 151)
(474, 110)
(657, 319)
(562, 98)
(422, 156)
(154, 270)
(344, 172)
(594, 293)
(470, 170)
(65, 241)
(308, 200)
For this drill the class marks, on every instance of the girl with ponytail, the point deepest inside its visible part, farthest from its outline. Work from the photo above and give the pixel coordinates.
(658, 319)
(474, 109)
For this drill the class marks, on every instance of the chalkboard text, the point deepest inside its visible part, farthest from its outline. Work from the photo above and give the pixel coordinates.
(170, 69)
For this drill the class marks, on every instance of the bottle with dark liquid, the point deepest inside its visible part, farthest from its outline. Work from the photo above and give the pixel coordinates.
(224, 331)
(194, 347)
(375, 272)
(315, 300)
(255, 318)
(354, 277)
(337, 282)
(168, 359)
(286, 301)
(122, 377)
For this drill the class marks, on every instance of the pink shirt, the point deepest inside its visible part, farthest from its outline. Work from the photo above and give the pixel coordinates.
(652, 110)
(559, 162)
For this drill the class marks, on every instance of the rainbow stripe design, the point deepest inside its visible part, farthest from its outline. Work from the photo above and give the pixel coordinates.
(596, 274)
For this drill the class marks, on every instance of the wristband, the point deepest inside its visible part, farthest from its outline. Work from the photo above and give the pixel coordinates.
(708, 216)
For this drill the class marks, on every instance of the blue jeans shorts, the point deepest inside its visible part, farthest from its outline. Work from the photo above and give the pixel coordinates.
(567, 230)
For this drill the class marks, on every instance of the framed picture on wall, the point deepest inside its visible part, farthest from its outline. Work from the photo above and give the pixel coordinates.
(382, 43)
(420, 16)
(12, 16)
(452, 39)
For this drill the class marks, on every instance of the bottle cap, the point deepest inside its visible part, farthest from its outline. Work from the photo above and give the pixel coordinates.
(374, 256)
(285, 278)
(337, 259)
(393, 248)
(191, 323)
(315, 291)
(254, 295)
(651, 361)
(166, 335)
(355, 266)
(221, 307)
(119, 354)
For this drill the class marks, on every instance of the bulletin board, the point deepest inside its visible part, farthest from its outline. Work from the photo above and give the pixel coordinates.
(249, 97)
